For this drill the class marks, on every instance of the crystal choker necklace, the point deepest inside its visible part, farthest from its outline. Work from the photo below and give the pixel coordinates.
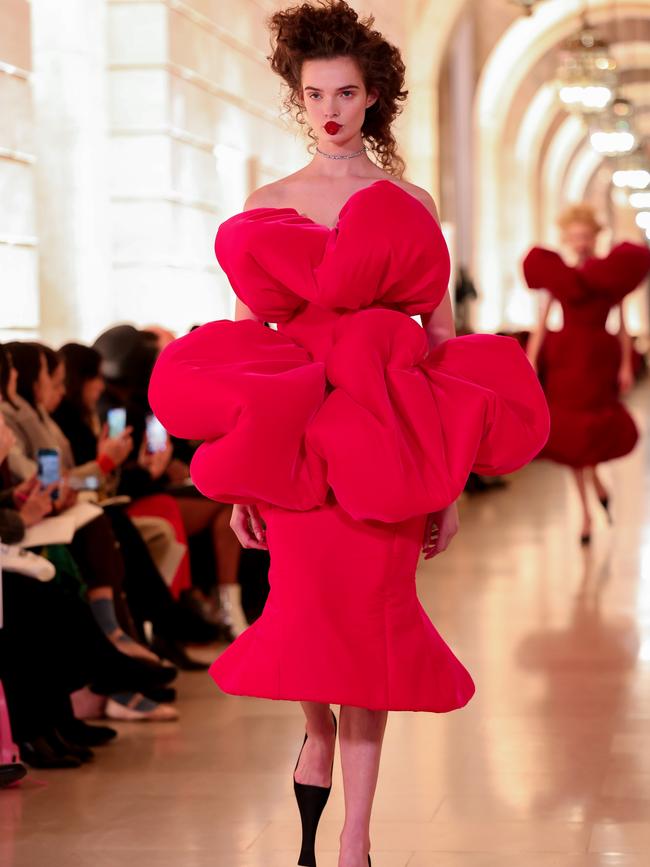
(341, 156)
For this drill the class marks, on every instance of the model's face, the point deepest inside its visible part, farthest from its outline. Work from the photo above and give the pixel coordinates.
(91, 391)
(580, 238)
(56, 389)
(334, 90)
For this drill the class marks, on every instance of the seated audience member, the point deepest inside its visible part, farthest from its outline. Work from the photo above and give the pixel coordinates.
(50, 645)
(128, 356)
(94, 547)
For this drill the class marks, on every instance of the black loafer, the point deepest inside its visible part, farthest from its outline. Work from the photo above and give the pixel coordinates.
(76, 731)
(10, 774)
(39, 754)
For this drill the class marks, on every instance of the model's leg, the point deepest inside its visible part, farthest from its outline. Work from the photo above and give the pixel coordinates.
(315, 765)
(579, 476)
(361, 733)
(601, 490)
(313, 775)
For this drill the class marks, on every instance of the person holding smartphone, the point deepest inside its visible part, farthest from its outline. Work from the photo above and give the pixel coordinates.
(128, 359)
(25, 385)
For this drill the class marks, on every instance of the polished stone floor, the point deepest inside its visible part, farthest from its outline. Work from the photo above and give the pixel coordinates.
(549, 766)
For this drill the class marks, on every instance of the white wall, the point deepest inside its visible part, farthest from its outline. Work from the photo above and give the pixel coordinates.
(153, 121)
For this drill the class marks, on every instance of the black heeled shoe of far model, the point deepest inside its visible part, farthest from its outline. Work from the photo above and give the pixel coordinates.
(311, 803)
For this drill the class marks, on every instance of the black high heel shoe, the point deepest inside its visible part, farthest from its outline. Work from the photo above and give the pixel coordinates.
(311, 803)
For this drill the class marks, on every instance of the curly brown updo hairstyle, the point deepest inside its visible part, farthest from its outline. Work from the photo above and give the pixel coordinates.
(324, 29)
(581, 212)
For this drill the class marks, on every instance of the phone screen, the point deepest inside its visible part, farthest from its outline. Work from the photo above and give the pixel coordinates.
(49, 468)
(156, 435)
(116, 419)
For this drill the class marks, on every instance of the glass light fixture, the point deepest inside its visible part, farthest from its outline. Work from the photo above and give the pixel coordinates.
(586, 74)
(640, 200)
(643, 220)
(632, 171)
(612, 132)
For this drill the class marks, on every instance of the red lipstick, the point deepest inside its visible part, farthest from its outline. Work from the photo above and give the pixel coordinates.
(332, 127)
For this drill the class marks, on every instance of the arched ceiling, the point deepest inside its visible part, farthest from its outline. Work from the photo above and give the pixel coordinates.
(532, 155)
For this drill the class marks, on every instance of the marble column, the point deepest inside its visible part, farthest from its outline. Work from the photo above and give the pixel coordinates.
(462, 75)
(18, 234)
(70, 98)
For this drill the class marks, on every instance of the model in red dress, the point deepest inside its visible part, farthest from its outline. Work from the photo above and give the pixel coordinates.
(583, 368)
(346, 435)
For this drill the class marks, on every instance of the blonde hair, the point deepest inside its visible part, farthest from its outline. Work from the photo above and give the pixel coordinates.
(580, 213)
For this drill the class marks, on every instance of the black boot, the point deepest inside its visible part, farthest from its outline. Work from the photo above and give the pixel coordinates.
(311, 803)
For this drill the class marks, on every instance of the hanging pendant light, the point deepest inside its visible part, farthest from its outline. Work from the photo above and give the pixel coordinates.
(640, 200)
(612, 133)
(586, 74)
(632, 172)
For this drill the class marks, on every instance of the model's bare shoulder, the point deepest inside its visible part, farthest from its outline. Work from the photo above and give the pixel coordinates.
(268, 196)
(277, 194)
(422, 196)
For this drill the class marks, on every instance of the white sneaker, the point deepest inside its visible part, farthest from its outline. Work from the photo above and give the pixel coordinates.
(232, 618)
(16, 559)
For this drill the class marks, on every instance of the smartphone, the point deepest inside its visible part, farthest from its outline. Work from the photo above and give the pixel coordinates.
(156, 435)
(116, 419)
(49, 468)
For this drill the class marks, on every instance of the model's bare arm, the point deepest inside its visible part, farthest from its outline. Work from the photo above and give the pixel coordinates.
(537, 335)
(246, 521)
(442, 526)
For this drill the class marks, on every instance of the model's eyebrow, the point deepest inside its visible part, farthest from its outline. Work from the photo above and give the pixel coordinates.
(347, 87)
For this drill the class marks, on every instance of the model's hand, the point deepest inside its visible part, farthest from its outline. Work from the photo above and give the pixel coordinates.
(247, 524)
(440, 529)
(625, 377)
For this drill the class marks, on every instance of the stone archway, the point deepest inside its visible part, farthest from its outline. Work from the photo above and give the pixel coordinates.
(511, 61)
(429, 25)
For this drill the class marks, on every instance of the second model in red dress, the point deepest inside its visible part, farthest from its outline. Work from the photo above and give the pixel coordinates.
(579, 365)
(346, 430)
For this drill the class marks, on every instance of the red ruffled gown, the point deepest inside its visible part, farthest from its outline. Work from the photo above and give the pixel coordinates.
(579, 365)
(346, 431)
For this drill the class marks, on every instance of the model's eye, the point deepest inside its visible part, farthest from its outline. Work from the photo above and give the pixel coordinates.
(347, 92)
(314, 95)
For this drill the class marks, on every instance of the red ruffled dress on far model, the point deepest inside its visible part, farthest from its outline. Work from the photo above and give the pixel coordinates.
(579, 365)
(346, 431)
